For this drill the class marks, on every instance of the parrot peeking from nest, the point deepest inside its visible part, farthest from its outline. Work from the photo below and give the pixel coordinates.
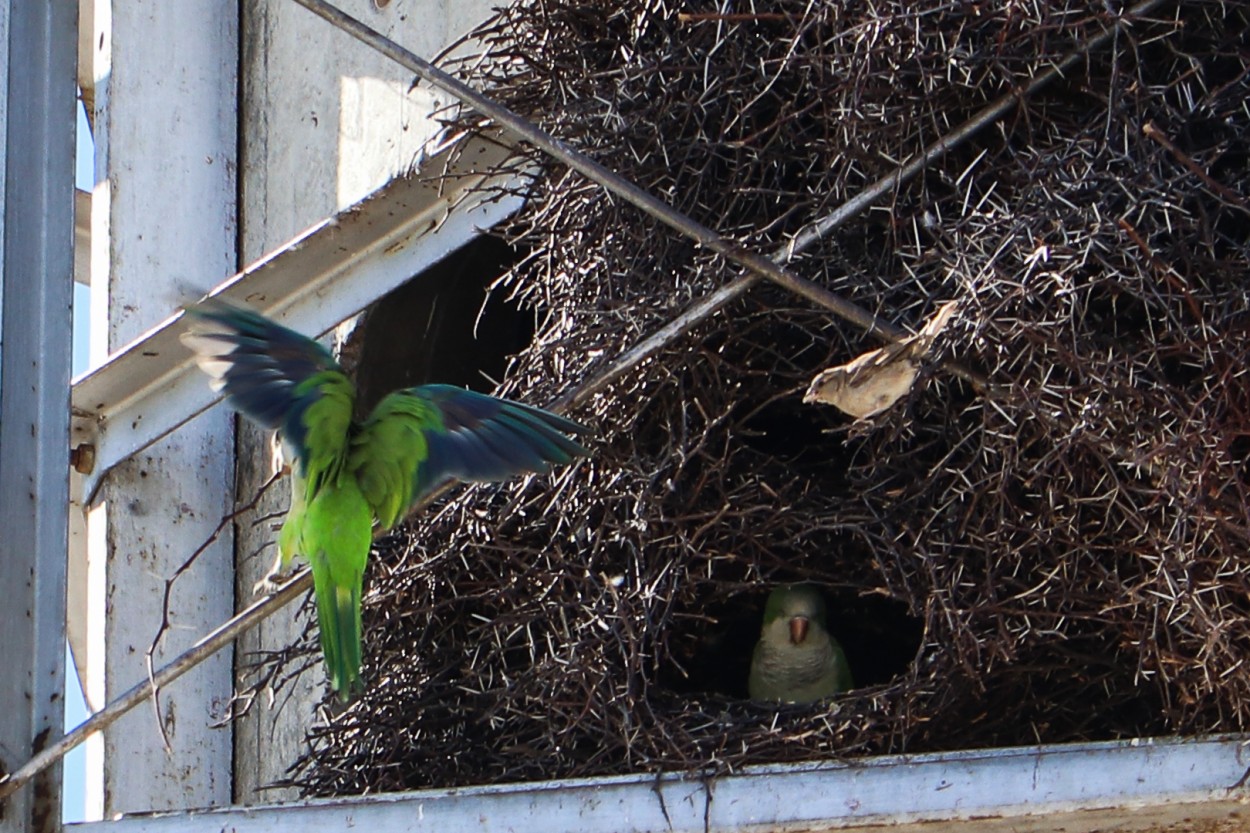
(349, 476)
(796, 659)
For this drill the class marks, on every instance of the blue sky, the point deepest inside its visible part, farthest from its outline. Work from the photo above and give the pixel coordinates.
(74, 794)
(73, 800)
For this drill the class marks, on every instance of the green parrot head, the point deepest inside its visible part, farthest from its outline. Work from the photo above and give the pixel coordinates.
(800, 605)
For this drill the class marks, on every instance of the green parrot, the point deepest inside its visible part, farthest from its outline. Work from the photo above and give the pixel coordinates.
(796, 660)
(350, 476)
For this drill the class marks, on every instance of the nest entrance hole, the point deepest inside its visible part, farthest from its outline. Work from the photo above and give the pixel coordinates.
(880, 638)
(444, 325)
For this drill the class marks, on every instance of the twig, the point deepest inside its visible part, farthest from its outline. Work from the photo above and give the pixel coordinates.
(741, 17)
(225, 521)
(1166, 272)
(1221, 190)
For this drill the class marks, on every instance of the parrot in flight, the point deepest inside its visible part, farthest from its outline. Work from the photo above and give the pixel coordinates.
(796, 660)
(349, 476)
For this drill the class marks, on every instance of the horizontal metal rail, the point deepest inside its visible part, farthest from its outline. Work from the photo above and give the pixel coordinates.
(1071, 787)
(330, 272)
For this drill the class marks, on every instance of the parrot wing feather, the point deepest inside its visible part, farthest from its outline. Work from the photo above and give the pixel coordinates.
(420, 437)
(274, 375)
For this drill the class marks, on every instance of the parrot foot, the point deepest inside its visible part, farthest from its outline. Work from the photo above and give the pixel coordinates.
(267, 586)
(278, 575)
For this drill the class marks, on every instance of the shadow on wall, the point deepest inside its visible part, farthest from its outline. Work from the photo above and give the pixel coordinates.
(441, 326)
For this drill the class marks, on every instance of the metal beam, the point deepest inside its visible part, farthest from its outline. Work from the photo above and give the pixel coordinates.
(330, 272)
(1071, 787)
(164, 194)
(36, 298)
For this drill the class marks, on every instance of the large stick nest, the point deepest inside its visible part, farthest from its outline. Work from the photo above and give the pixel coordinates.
(1058, 561)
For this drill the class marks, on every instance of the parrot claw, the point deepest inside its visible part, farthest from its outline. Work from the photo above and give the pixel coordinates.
(269, 585)
(272, 580)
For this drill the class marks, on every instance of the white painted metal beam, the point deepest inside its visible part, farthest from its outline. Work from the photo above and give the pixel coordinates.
(37, 109)
(1071, 787)
(320, 278)
(163, 212)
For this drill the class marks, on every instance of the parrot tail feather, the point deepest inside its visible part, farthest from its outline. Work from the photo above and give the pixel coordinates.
(338, 619)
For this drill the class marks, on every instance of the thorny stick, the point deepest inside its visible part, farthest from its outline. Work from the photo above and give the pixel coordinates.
(698, 17)
(1163, 270)
(1223, 191)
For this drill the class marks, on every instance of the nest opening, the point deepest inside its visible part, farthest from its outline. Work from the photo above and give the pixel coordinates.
(879, 636)
(444, 325)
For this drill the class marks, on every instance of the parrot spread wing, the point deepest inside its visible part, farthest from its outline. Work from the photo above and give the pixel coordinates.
(418, 438)
(279, 378)
(349, 475)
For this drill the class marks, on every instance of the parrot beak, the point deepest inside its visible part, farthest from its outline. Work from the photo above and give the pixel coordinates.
(798, 629)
